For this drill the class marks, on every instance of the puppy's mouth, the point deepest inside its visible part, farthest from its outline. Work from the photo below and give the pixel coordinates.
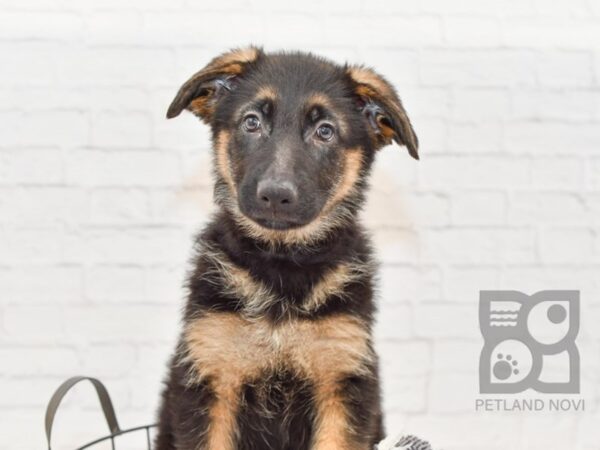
(276, 220)
(277, 223)
(279, 216)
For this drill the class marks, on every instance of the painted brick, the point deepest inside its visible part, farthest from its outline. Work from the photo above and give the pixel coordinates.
(478, 68)
(479, 245)
(440, 320)
(123, 168)
(552, 138)
(547, 208)
(569, 246)
(16, 168)
(121, 130)
(479, 208)
(119, 206)
(446, 172)
(42, 284)
(473, 31)
(114, 284)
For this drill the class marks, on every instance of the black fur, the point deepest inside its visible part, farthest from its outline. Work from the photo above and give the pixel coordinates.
(277, 409)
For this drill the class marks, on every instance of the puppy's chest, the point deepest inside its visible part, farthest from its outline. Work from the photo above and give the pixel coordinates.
(260, 292)
(228, 349)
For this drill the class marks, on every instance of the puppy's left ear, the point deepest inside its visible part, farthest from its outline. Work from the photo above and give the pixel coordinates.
(378, 101)
(200, 93)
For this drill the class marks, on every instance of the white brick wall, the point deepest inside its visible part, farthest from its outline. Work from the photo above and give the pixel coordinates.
(100, 195)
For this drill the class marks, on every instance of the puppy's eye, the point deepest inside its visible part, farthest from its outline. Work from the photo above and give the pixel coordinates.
(251, 123)
(325, 132)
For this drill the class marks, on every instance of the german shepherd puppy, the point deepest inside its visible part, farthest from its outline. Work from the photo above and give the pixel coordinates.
(276, 350)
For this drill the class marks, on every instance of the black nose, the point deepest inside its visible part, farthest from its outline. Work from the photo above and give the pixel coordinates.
(274, 194)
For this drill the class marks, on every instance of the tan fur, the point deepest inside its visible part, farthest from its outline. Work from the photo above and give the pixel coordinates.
(263, 93)
(319, 99)
(350, 175)
(333, 283)
(238, 283)
(386, 133)
(222, 161)
(365, 76)
(228, 350)
(244, 55)
(309, 233)
(322, 100)
(374, 87)
(231, 63)
(222, 427)
(323, 223)
(202, 106)
(223, 379)
(266, 92)
(332, 427)
(305, 235)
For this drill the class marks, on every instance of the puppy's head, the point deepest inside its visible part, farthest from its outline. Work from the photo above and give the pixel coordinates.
(294, 137)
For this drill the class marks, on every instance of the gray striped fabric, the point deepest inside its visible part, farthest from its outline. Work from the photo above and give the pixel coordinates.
(406, 443)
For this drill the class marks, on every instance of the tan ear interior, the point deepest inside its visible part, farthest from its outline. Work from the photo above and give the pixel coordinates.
(386, 130)
(229, 64)
(393, 123)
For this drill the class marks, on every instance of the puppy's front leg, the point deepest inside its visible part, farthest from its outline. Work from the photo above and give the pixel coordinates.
(333, 430)
(222, 428)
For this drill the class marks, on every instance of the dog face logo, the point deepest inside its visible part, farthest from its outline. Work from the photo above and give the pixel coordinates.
(529, 342)
(294, 136)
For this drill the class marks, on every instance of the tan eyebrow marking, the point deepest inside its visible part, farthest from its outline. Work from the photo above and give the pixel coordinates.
(266, 92)
(263, 93)
(322, 100)
(319, 99)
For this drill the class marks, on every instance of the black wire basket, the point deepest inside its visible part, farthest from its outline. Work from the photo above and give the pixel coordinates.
(107, 409)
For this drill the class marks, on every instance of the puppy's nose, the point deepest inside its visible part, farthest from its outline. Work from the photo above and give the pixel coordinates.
(276, 194)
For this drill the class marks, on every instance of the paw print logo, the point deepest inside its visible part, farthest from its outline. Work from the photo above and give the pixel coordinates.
(522, 333)
(505, 367)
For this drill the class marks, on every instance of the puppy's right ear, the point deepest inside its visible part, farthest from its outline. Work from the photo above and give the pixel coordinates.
(200, 93)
